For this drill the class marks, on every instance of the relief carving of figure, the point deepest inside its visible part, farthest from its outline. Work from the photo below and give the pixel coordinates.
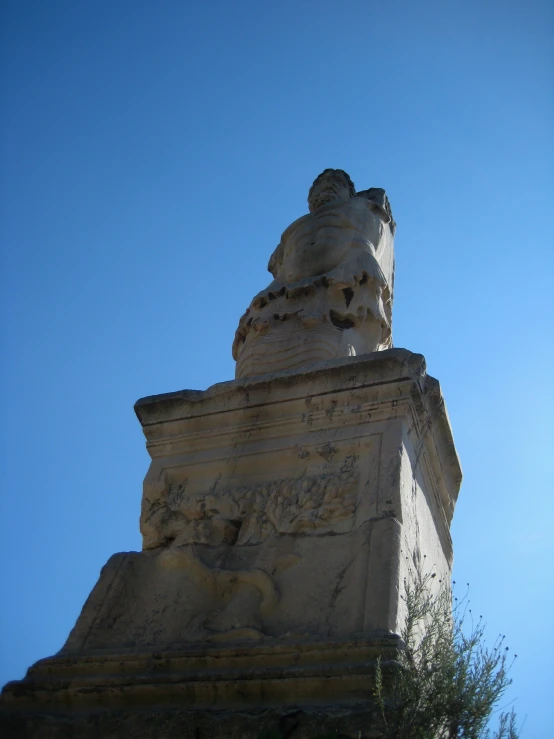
(333, 281)
(195, 533)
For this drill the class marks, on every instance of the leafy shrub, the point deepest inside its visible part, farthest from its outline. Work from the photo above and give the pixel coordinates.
(449, 682)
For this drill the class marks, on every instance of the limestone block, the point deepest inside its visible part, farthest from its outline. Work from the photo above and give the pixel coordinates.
(333, 283)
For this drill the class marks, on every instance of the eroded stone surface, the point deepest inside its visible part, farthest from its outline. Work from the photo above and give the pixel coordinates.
(282, 508)
(333, 281)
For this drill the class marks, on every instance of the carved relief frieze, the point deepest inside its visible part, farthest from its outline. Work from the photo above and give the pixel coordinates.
(250, 513)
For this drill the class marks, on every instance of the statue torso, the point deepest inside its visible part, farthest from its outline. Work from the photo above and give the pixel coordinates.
(316, 243)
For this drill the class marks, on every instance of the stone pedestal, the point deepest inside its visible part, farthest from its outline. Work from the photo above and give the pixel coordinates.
(280, 516)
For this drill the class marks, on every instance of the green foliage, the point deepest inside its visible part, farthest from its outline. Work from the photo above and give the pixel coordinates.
(446, 683)
(449, 682)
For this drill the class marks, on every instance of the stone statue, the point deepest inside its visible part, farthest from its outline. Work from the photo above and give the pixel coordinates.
(333, 283)
(281, 515)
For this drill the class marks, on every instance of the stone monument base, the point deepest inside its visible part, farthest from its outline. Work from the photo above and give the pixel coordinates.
(281, 515)
(299, 690)
(331, 722)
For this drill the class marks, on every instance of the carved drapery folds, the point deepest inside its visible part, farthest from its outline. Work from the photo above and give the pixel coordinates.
(333, 281)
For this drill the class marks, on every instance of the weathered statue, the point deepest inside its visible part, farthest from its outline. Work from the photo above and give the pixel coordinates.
(333, 283)
(281, 517)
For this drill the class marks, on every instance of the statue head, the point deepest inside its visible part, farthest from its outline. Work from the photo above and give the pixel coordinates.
(330, 185)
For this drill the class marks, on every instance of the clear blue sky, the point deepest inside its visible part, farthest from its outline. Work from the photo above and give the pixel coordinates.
(153, 152)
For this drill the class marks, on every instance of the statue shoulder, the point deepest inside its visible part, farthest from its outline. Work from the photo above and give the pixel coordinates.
(377, 198)
(289, 234)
